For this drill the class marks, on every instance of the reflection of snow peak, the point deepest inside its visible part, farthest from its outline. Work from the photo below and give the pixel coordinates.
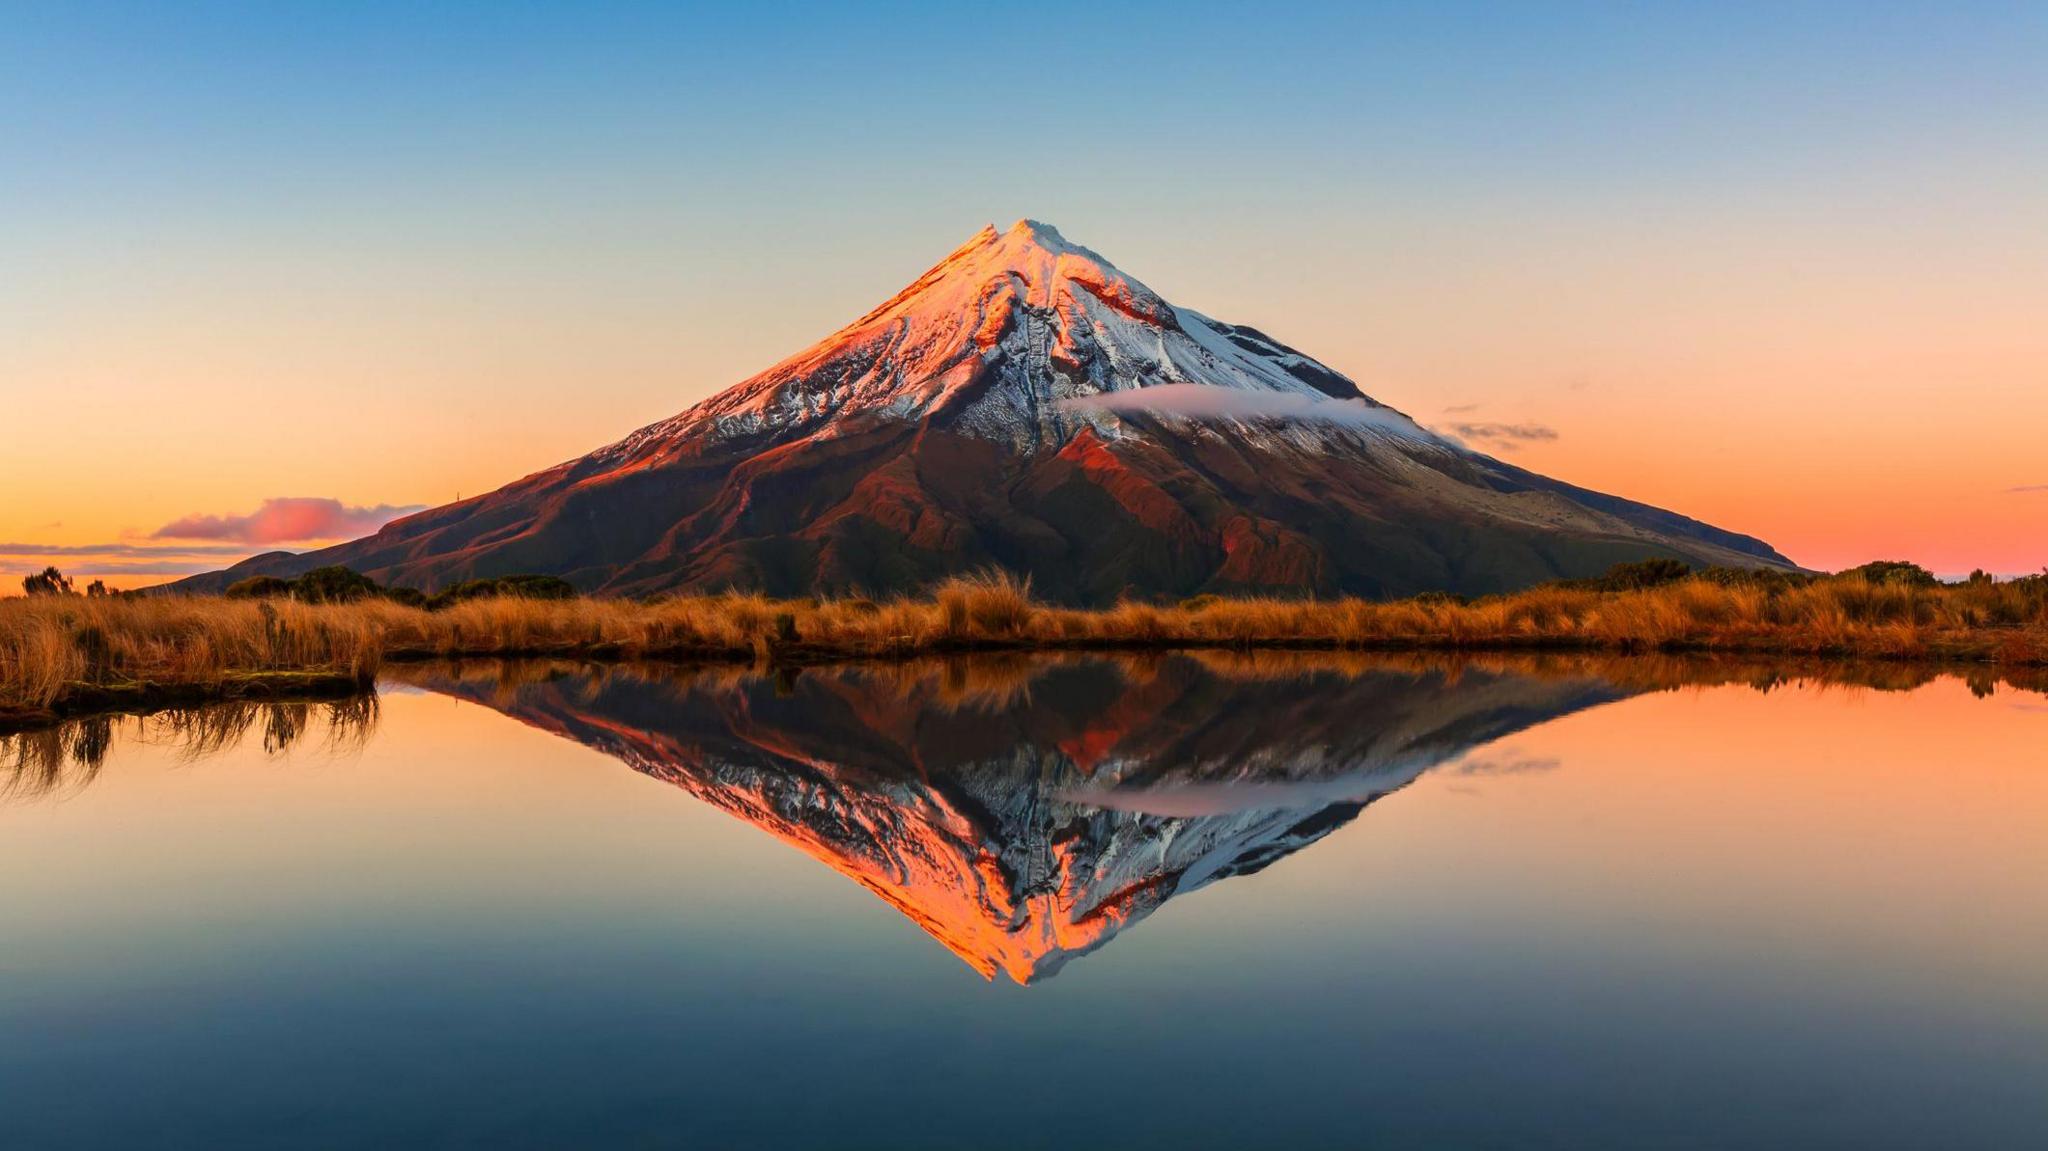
(1029, 820)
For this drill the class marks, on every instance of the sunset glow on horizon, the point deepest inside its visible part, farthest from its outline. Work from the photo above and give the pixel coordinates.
(275, 277)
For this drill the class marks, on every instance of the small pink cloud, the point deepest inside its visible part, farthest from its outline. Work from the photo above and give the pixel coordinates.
(287, 519)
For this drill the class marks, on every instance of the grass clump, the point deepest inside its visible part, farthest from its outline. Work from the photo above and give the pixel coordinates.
(992, 604)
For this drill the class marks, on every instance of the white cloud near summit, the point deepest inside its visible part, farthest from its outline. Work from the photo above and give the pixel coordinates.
(1207, 402)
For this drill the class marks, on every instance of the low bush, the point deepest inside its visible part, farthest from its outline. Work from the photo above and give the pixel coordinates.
(518, 586)
(1893, 572)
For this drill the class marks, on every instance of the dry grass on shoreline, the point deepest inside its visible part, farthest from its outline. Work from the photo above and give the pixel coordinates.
(61, 653)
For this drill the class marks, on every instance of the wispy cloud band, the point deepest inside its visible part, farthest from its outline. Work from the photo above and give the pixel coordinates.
(30, 549)
(1524, 433)
(95, 566)
(117, 559)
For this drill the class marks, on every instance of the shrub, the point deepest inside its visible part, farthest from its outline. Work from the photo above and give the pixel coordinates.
(519, 586)
(259, 587)
(1763, 579)
(334, 584)
(1641, 574)
(1893, 572)
(49, 581)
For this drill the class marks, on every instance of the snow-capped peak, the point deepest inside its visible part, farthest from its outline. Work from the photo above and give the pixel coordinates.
(1031, 259)
(1009, 338)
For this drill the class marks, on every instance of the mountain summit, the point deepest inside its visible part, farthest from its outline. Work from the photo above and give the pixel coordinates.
(1025, 404)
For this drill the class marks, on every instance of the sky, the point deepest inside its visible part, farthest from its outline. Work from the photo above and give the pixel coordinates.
(270, 269)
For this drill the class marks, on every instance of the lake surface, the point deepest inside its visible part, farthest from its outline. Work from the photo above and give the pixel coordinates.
(1174, 901)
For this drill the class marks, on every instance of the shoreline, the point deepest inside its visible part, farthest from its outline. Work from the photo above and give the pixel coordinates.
(64, 656)
(1713, 665)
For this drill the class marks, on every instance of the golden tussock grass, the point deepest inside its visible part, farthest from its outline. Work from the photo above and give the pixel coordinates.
(62, 653)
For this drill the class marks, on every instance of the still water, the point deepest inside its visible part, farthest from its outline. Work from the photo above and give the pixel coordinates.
(1176, 901)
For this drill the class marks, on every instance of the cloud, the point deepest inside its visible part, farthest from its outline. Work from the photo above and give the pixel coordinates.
(1509, 763)
(1207, 402)
(1460, 409)
(288, 519)
(94, 566)
(2029, 488)
(22, 549)
(118, 559)
(1506, 436)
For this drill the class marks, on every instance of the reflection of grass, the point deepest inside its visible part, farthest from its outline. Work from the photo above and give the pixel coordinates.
(68, 653)
(56, 759)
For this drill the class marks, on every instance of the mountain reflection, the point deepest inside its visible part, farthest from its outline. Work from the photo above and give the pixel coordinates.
(1023, 811)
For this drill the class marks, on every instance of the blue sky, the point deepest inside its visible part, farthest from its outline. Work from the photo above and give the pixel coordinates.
(269, 111)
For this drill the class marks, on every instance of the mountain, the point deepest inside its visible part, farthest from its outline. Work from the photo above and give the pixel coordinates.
(1023, 812)
(1025, 404)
